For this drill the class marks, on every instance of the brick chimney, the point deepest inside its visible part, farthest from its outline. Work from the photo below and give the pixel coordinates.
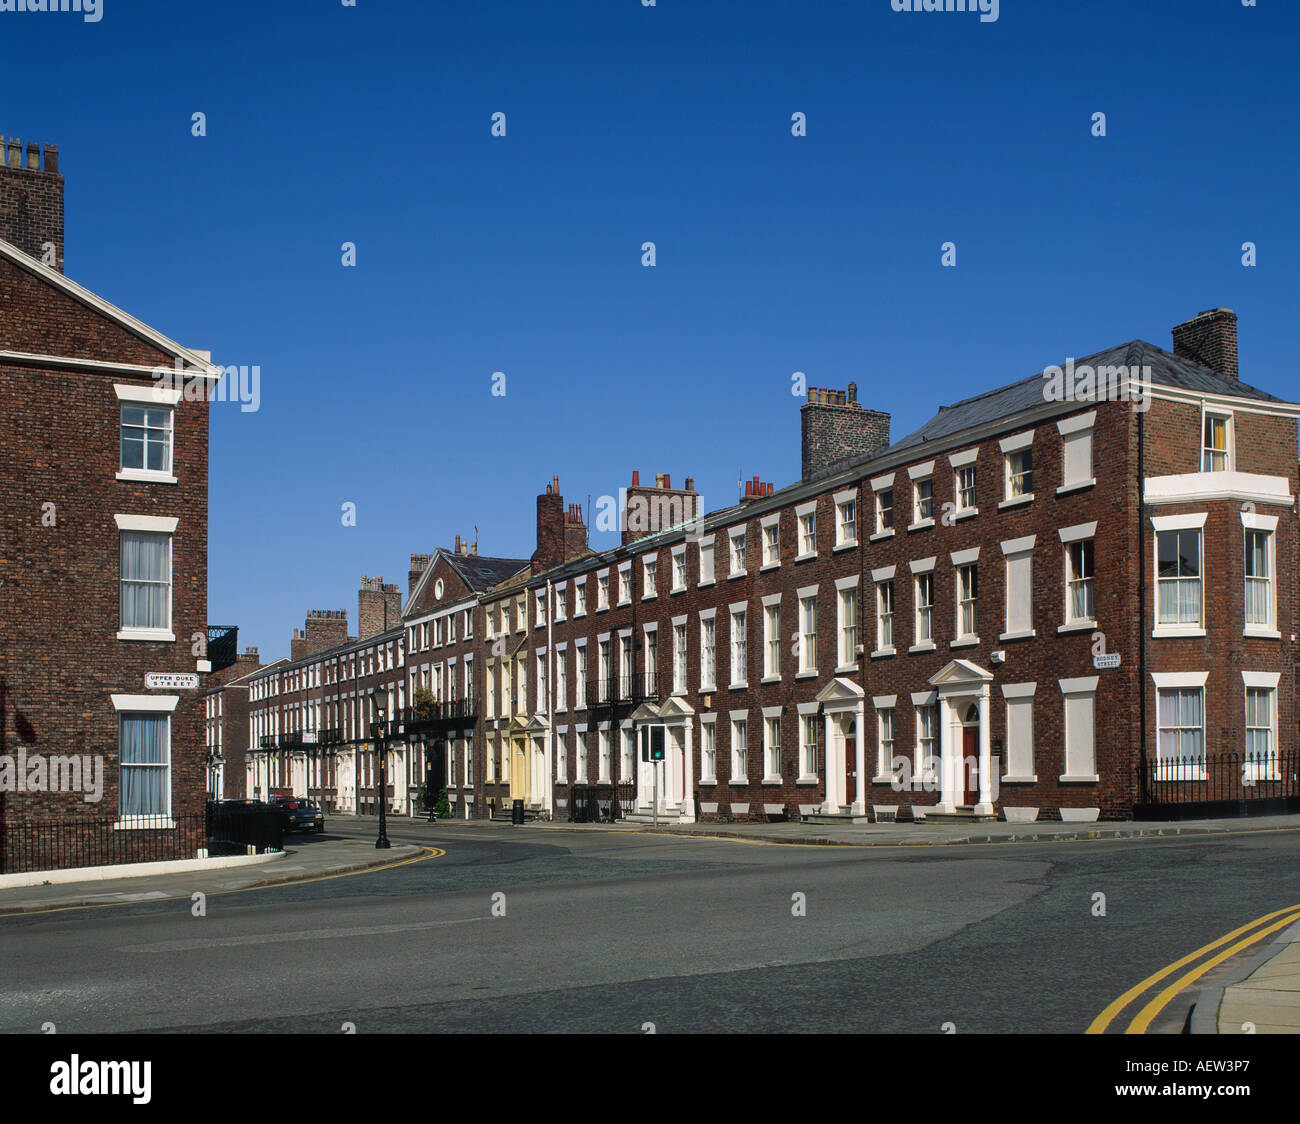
(1209, 339)
(648, 510)
(835, 427)
(298, 645)
(575, 532)
(379, 607)
(326, 628)
(419, 563)
(31, 200)
(550, 528)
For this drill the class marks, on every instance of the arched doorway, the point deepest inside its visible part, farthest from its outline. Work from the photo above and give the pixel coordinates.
(970, 753)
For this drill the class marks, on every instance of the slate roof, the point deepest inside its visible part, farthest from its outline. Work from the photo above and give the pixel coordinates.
(480, 573)
(1166, 370)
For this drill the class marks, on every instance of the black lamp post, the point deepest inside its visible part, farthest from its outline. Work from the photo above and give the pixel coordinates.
(378, 731)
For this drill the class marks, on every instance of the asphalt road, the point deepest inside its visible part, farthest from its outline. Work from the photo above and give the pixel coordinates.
(609, 932)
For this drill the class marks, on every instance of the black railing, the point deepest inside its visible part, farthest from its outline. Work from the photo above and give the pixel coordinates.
(223, 645)
(1229, 784)
(66, 844)
(435, 714)
(620, 690)
(601, 803)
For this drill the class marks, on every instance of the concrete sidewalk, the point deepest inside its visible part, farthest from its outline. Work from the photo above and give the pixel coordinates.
(308, 856)
(1261, 997)
(887, 834)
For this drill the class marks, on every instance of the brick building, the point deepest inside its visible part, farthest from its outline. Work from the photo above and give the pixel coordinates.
(226, 726)
(1059, 598)
(103, 536)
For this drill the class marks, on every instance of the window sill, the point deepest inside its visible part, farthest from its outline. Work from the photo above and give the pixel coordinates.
(849, 544)
(1261, 632)
(1018, 635)
(806, 557)
(708, 688)
(678, 589)
(809, 673)
(769, 679)
(739, 782)
(1166, 631)
(144, 476)
(879, 535)
(884, 778)
(965, 513)
(1091, 779)
(155, 634)
(738, 574)
(926, 646)
(1077, 626)
(705, 585)
(145, 823)
(769, 566)
(741, 686)
(708, 782)
(1065, 488)
(881, 653)
(581, 614)
(1016, 501)
(624, 603)
(846, 668)
(644, 597)
(772, 781)
(965, 642)
(920, 525)
(1031, 779)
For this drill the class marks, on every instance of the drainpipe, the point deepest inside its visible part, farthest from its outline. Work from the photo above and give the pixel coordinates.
(1143, 778)
(550, 699)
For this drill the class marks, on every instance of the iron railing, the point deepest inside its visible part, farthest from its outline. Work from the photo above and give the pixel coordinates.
(622, 690)
(436, 715)
(223, 645)
(601, 803)
(1227, 784)
(66, 844)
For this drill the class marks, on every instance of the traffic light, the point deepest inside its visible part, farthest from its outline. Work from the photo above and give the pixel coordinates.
(655, 739)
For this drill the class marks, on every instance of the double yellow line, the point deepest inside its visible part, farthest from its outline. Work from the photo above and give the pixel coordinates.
(1237, 941)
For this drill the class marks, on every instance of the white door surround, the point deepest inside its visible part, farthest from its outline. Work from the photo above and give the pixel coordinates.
(843, 701)
(960, 685)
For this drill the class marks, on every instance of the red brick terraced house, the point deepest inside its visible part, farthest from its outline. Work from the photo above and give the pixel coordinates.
(103, 555)
(226, 725)
(1069, 597)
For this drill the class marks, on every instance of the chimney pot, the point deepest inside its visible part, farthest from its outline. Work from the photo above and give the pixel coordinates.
(52, 165)
(33, 156)
(15, 152)
(668, 480)
(690, 483)
(636, 478)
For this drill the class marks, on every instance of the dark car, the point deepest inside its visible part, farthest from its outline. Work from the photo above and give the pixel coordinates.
(299, 814)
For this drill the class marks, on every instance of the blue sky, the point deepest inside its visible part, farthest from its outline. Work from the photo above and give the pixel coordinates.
(775, 254)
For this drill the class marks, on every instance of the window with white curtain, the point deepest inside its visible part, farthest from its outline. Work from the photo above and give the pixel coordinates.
(708, 751)
(144, 763)
(1178, 576)
(1080, 602)
(1260, 745)
(1259, 578)
(146, 580)
(1181, 739)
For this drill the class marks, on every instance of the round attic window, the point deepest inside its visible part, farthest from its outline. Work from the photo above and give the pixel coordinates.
(437, 589)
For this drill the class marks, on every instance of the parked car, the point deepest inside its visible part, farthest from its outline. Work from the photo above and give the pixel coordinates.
(299, 814)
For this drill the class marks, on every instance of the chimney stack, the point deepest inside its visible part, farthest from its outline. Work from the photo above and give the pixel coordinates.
(1209, 339)
(419, 563)
(650, 510)
(31, 200)
(550, 528)
(379, 607)
(836, 428)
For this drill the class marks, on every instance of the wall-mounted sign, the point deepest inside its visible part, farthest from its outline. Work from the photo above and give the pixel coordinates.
(171, 681)
(309, 737)
(1107, 661)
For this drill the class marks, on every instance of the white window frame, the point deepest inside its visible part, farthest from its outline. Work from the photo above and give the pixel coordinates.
(806, 530)
(150, 525)
(708, 663)
(886, 747)
(807, 600)
(708, 749)
(156, 397)
(1228, 452)
(843, 500)
(735, 553)
(1166, 524)
(1253, 524)
(847, 635)
(739, 754)
(1011, 448)
(1077, 432)
(771, 746)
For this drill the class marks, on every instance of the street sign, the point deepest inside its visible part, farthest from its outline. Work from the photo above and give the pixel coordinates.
(171, 681)
(309, 737)
(1107, 661)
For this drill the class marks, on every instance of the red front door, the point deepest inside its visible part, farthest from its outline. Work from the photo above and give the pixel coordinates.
(970, 751)
(850, 769)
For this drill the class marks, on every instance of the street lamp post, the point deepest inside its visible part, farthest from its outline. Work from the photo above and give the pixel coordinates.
(379, 731)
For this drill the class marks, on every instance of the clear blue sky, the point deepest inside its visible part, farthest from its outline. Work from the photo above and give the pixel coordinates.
(625, 124)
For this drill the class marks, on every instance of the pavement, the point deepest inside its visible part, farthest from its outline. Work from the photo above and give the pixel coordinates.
(310, 856)
(1261, 997)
